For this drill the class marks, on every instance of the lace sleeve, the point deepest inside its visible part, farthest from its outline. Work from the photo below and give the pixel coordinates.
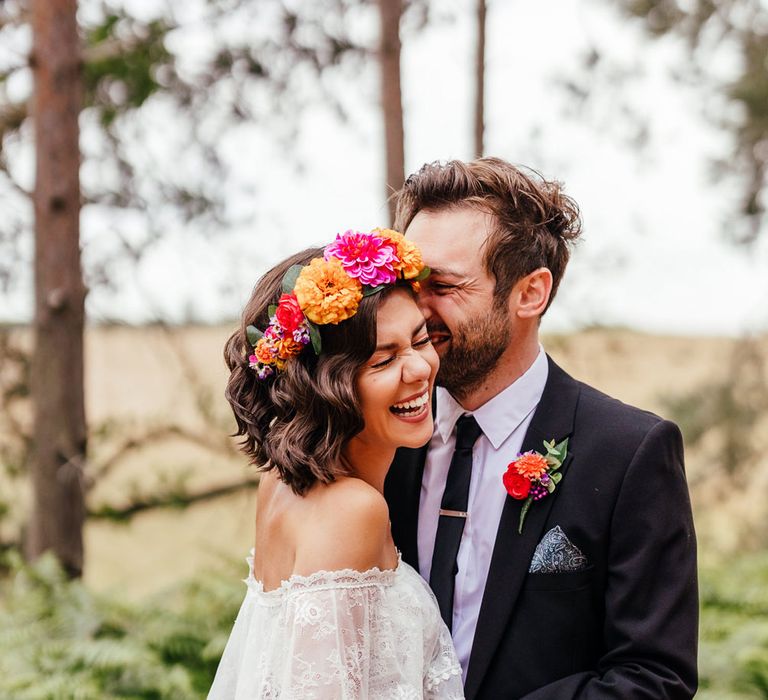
(342, 635)
(330, 645)
(443, 679)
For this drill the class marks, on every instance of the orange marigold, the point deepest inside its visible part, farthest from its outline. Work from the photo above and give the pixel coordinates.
(531, 465)
(263, 352)
(287, 347)
(326, 293)
(411, 262)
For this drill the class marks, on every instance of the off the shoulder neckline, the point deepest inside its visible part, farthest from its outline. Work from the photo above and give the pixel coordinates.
(338, 578)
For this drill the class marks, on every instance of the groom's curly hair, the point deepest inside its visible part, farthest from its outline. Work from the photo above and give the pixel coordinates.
(299, 421)
(535, 221)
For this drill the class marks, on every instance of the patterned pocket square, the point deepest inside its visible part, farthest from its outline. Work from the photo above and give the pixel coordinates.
(556, 554)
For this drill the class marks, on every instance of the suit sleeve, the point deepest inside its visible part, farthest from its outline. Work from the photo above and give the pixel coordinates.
(651, 601)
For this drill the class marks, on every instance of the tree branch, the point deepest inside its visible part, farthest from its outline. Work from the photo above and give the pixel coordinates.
(169, 500)
(109, 49)
(163, 432)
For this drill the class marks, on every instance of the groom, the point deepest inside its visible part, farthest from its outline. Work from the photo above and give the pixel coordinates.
(596, 597)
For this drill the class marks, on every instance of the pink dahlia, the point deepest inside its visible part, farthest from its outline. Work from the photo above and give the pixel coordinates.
(365, 256)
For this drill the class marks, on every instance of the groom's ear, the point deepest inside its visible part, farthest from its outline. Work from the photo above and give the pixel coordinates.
(530, 295)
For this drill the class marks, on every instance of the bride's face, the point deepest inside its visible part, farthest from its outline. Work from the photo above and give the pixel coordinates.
(395, 384)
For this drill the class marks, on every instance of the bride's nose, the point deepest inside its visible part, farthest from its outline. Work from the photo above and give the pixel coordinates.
(416, 368)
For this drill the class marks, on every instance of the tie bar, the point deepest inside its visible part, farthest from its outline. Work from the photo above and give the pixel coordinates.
(454, 513)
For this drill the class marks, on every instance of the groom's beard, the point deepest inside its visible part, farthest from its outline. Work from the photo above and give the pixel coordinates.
(473, 352)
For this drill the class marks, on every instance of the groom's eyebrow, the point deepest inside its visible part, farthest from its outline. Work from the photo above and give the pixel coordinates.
(392, 346)
(446, 272)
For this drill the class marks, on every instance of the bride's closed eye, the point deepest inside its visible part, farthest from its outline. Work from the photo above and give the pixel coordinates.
(422, 342)
(383, 363)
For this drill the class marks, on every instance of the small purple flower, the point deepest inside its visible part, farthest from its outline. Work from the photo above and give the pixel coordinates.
(301, 334)
(538, 492)
(544, 478)
(274, 329)
(264, 371)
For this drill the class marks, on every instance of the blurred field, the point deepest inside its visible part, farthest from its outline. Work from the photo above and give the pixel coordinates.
(142, 378)
(162, 379)
(161, 588)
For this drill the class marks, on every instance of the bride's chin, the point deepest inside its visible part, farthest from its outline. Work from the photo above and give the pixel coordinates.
(417, 438)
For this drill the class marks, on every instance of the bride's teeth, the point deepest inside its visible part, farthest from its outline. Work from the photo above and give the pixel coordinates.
(413, 403)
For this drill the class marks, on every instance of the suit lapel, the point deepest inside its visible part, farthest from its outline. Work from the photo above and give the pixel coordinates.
(402, 489)
(512, 552)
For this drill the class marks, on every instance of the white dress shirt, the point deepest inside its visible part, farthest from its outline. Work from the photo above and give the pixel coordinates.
(504, 421)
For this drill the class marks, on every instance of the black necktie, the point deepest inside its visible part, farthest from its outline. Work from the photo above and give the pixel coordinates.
(453, 514)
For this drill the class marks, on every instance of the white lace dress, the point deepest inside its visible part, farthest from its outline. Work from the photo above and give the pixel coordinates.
(340, 635)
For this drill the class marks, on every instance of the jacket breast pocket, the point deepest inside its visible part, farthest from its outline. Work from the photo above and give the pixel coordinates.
(560, 581)
(559, 611)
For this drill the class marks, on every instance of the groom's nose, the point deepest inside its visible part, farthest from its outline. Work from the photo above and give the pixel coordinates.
(423, 301)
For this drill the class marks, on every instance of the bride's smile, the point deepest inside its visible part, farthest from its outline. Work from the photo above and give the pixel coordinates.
(395, 385)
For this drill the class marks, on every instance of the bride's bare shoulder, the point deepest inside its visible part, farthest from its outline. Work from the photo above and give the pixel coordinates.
(347, 527)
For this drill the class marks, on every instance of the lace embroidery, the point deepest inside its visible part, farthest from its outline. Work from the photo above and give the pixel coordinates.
(318, 580)
(344, 635)
(442, 672)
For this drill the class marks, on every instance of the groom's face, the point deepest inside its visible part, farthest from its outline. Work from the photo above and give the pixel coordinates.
(469, 331)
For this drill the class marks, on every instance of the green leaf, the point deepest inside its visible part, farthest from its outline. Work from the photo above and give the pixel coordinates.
(253, 334)
(367, 291)
(422, 275)
(290, 277)
(550, 485)
(272, 310)
(558, 452)
(523, 513)
(314, 336)
(556, 477)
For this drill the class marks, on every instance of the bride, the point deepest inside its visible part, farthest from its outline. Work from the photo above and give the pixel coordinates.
(331, 371)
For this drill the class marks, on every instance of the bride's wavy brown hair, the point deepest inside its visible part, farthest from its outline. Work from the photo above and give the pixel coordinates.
(299, 421)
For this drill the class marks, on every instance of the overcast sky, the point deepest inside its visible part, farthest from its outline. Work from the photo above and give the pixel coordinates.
(653, 255)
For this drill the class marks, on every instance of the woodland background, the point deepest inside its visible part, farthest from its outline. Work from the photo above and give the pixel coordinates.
(137, 146)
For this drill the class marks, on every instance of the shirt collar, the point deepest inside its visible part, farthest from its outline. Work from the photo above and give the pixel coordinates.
(500, 416)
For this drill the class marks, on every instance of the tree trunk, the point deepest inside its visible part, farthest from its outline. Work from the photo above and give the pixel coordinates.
(59, 431)
(391, 98)
(480, 80)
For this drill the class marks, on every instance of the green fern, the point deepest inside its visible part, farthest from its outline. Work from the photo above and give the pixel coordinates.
(58, 641)
(733, 655)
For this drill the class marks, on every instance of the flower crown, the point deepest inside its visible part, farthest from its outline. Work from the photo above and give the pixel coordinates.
(328, 290)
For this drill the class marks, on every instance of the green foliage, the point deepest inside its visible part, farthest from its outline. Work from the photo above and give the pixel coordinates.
(122, 80)
(162, 84)
(58, 641)
(733, 654)
(738, 25)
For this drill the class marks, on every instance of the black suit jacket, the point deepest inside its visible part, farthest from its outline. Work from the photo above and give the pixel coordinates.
(624, 628)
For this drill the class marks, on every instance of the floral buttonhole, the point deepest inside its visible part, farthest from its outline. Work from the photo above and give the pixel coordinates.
(532, 475)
